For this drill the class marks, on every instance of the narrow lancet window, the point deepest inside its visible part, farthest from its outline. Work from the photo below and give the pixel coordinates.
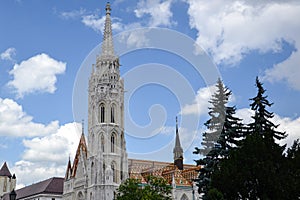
(102, 113)
(102, 143)
(112, 142)
(112, 114)
(114, 172)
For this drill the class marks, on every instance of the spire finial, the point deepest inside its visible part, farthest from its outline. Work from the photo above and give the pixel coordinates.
(107, 45)
(82, 126)
(108, 9)
(176, 124)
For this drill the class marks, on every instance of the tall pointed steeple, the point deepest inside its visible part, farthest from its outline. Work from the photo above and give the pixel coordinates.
(107, 45)
(178, 151)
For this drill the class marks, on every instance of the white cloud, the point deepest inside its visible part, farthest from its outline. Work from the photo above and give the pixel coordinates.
(37, 74)
(287, 71)
(201, 102)
(97, 23)
(48, 155)
(159, 11)
(230, 29)
(15, 122)
(55, 147)
(136, 38)
(47, 147)
(73, 14)
(28, 173)
(8, 54)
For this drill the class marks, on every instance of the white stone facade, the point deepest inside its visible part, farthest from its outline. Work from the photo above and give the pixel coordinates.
(103, 166)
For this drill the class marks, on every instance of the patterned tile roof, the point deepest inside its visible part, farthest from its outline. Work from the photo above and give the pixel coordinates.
(140, 169)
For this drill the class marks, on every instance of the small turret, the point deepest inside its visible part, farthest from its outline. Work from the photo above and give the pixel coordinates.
(7, 181)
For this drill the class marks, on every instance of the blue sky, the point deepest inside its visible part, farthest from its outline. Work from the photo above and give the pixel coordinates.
(47, 48)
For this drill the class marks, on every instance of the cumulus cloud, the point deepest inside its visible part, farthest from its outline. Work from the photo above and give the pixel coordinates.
(47, 147)
(159, 11)
(231, 29)
(136, 38)
(55, 147)
(201, 102)
(97, 23)
(47, 155)
(287, 71)
(8, 54)
(73, 14)
(15, 122)
(37, 74)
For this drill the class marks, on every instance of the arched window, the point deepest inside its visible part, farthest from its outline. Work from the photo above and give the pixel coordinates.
(102, 143)
(80, 196)
(113, 169)
(112, 142)
(101, 114)
(92, 173)
(122, 138)
(112, 114)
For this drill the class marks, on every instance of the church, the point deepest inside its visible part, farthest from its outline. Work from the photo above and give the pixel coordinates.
(101, 163)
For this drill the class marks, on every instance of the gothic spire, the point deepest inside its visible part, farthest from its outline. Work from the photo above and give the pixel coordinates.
(107, 45)
(178, 151)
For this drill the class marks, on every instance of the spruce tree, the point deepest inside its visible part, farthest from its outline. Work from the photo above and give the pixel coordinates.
(262, 124)
(256, 169)
(292, 171)
(223, 131)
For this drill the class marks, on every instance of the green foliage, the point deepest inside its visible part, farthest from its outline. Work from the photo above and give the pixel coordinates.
(214, 194)
(292, 171)
(252, 171)
(257, 167)
(223, 133)
(262, 124)
(245, 162)
(156, 189)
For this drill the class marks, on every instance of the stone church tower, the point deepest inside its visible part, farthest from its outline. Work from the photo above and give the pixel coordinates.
(99, 168)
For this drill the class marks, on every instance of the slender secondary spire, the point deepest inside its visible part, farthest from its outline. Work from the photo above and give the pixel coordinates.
(107, 45)
(178, 151)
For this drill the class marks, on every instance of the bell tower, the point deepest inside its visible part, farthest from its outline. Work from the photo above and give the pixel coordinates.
(108, 164)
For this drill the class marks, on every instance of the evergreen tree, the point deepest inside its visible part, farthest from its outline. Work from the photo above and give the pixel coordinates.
(217, 117)
(293, 171)
(262, 124)
(223, 131)
(251, 171)
(256, 169)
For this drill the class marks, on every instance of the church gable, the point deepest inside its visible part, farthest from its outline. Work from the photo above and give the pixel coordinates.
(79, 164)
